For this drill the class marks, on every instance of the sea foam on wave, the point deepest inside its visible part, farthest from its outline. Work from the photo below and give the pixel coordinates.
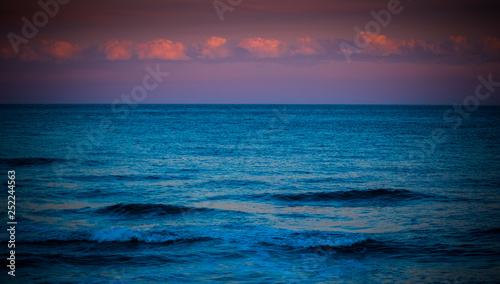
(122, 234)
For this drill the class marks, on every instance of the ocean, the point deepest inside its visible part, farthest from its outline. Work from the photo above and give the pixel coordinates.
(252, 194)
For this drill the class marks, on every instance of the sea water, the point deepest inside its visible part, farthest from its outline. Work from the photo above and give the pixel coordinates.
(252, 193)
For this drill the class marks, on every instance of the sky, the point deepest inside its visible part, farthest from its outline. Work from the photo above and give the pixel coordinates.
(249, 51)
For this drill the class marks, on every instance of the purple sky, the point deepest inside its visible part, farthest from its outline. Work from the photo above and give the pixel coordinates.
(264, 51)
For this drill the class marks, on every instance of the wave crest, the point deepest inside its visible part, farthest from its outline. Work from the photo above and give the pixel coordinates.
(145, 209)
(240, 235)
(350, 195)
(123, 234)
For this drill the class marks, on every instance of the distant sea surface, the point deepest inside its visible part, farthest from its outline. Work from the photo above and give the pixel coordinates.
(252, 193)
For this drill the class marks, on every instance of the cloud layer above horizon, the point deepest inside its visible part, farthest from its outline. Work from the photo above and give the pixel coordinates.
(454, 49)
(273, 51)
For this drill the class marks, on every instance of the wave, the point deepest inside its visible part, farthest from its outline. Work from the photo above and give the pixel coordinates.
(115, 234)
(351, 195)
(495, 231)
(114, 178)
(254, 236)
(146, 209)
(313, 239)
(19, 162)
(122, 234)
(238, 235)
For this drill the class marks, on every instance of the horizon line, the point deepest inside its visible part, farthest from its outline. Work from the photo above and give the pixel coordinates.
(311, 104)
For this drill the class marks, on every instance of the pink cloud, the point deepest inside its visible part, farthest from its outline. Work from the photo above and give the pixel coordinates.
(214, 47)
(460, 44)
(419, 46)
(491, 45)
(261, 47)
(218, 47)
(118, 49)
(307, 46)
(162, 49)
(29, 54)
(60, 49)
(8, 53)
(382, 45)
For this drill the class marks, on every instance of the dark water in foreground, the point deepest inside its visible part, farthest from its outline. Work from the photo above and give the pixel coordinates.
(280, 194)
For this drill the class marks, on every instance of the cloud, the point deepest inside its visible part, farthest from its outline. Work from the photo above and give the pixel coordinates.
(452, 49)
(60, 49)
(155, 49)
(491, 45)
(307, 46)
(419, 46)
(44, 50)
(162, 49)
(211, 48)
(29, 54)
(263, 48)
(8, 53)
(458, 45)
(118, 49)
(381, 46)
(26, 53)
(215, 47)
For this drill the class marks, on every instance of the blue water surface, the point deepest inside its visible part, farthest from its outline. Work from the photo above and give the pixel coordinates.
(253, 193)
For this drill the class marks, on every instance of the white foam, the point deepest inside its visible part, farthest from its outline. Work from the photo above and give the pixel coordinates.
(282, 237)
(122, 234)
(242, 235)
